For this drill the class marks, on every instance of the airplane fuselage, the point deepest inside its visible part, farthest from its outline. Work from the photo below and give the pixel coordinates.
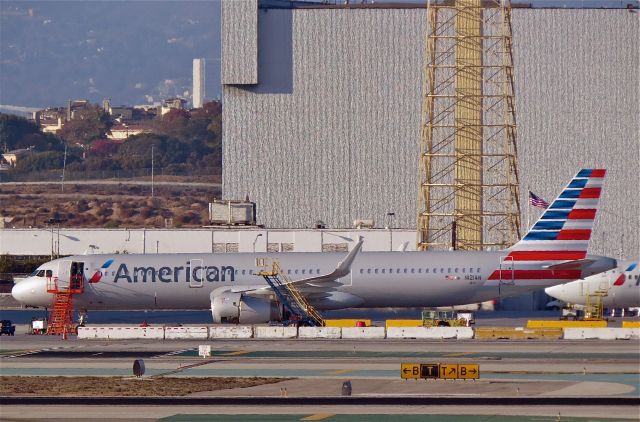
(377, 279)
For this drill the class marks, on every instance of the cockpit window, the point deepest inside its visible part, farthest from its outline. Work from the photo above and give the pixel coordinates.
(38, 273)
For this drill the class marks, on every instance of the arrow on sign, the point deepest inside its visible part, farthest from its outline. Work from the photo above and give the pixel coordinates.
(473, 371)
(452, 371)
(405, 370)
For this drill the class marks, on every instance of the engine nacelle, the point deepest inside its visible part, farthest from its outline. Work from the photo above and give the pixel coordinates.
(236, 308)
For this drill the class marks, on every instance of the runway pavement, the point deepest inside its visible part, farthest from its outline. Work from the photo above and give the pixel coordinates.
(509, 369)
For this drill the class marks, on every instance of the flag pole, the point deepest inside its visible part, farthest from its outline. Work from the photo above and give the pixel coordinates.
(528, 209)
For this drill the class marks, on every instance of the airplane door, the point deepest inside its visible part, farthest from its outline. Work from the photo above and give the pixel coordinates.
(507, 271)
(507, 275)
(197, 273)
(64, 274)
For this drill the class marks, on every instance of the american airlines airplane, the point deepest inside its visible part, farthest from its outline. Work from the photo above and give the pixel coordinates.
(621, 284)
(554, 251)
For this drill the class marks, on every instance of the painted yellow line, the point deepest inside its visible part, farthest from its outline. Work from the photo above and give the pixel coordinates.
(237, 353)
(459, 354)
(318, 417)
(337, 372)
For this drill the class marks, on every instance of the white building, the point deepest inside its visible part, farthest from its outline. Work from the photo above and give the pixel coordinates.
(198, 82)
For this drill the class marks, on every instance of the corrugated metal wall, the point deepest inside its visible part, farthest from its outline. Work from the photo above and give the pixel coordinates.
(340, 140)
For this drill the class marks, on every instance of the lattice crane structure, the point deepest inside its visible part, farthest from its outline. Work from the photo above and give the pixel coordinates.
(469, 188)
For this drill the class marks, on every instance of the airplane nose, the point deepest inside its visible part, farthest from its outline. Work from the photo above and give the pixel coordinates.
(32, 292)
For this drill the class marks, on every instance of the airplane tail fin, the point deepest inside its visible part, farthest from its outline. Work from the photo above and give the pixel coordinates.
(563, 231)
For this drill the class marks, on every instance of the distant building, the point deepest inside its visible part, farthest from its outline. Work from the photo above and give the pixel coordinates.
(172, 104)
(122, 112)
(121, 131)
(10, 158)
(198, 82)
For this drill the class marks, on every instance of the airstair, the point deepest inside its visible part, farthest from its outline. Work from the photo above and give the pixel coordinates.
(300, 310)
(594, 307)
(61, 318)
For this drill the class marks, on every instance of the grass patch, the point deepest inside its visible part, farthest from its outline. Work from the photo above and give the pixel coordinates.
(120, 386)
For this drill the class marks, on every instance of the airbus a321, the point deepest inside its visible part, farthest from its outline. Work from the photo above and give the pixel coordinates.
(619, 287)
(553, 252)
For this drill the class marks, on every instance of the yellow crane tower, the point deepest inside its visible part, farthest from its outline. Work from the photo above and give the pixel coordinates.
(468, 194)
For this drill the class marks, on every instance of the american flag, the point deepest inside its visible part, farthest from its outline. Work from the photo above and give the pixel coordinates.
(536, 201)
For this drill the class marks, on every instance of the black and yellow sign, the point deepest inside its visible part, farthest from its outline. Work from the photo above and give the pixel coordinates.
(439, 371)
(429, 370)
(410, 371)
(469, 371)
(448, 371)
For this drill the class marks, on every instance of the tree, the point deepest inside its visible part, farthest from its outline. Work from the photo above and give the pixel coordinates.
(17, 132)
(89, 124)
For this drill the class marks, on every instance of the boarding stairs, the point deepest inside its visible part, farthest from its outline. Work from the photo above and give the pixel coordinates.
(594, 306)
(61, 318)
(300, 310)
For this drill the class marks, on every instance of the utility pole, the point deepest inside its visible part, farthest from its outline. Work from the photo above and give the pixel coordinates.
(64, 164)
(152, 170)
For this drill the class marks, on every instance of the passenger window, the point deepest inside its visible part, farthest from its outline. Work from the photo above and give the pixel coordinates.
(361, 270)
(390, 270)
(250, 271)
(368, 270)
(303, 271)
(426, 270)
(419, 270)
(383, 271)
(441, 270)
(455, 270)
(470, 270)
(413, 270)
(448, 270)
(463, 270)
(375, 271)
(478, 270)
(296, 271)
(405, 270)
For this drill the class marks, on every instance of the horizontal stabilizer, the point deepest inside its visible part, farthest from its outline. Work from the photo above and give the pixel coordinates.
(576, 264)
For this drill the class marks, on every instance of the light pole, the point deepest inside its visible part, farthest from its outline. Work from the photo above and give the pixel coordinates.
(255, 240)
(390, 215)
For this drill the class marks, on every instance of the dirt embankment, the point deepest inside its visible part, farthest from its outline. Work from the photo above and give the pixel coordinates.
(107, 206)
(117, 386)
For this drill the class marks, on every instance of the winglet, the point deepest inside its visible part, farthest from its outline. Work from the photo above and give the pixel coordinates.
(344, 267)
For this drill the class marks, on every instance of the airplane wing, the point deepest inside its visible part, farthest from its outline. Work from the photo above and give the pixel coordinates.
(312, 287)
(577, 264)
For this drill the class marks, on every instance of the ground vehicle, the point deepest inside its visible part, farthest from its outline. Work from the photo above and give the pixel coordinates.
(7, 327)
(443, 319)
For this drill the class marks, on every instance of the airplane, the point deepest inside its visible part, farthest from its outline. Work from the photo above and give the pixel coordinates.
(554, 251)
(621, 285)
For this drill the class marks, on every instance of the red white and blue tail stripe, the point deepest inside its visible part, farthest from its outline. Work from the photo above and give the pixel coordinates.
(567, 224)
(556, 246)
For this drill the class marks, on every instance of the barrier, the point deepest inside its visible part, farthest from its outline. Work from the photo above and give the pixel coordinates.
(230, 331)
(319, 332)
(601, 333)
(363, 332)
(275, 332)
(630, 324)
(495, 333)
(429, 332)
(566, 324)
(119, 333)
(340, 323)
(174, 333)
(403, 323)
